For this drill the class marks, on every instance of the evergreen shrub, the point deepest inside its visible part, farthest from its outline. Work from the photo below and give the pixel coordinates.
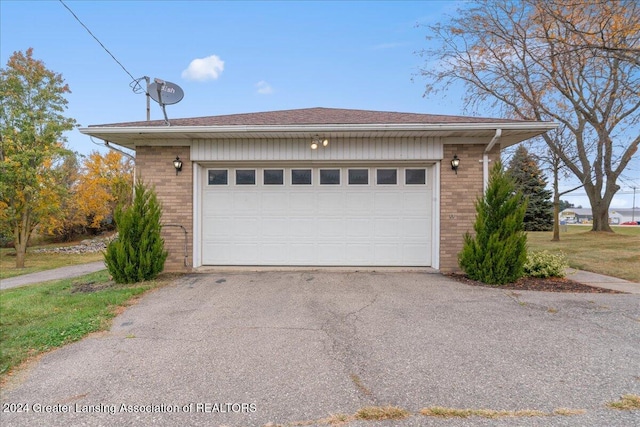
(497, 252)
(138, 253)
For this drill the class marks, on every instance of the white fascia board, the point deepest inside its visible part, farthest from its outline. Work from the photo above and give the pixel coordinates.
(448, 127)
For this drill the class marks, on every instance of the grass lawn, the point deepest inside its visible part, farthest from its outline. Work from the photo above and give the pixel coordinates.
(38, 318)
(35, 262)
(616, 255)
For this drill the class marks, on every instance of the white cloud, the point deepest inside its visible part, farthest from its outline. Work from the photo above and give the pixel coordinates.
(264, 88)
(203, 69)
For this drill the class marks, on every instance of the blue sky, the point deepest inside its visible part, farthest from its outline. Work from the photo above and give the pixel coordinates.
(232, 57)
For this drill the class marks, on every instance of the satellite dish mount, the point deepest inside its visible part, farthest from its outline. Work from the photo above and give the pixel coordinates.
(164, 93)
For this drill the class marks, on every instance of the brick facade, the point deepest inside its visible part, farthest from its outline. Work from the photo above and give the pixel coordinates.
(154, 165)
(458, 194)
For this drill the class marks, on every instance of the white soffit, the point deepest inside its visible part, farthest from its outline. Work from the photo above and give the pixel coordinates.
(130, 137)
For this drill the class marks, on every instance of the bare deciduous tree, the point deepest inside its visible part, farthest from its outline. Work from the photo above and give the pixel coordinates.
(572, 62)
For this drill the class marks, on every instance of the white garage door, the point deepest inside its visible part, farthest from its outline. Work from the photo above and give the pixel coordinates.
(326, 216)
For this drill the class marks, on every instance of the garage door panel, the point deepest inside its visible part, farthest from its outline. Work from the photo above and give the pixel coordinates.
(359, 227)
(244, 250)
(302, 202)
(345, 224)
(330, 203)
(359, 252)
(412, 228)
(302, 254)
(274, 253)
(388, 202)
(301, 228)
(386, 227)
(275, 228)
(248, 227)
(330, 253)
(358, 202)
(388, 253)
(274, 202)
(218, 229)
(246, 202)
(330, 228)
(218, 251)
(223, 199)
(415, 203)
(416, 253)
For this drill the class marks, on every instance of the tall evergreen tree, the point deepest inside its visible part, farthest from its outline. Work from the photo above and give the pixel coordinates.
(138, 253)
(529, 180)
(498, 251)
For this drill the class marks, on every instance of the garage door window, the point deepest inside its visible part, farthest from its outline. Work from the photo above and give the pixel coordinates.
(245, 177)
(415, 176)
(387, 176)
(358, 176)
(273, 177)
(329, 176)
(218, 177)
(301, 176)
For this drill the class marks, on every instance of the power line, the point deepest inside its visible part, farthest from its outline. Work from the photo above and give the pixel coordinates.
(99, 42)
(585, 194)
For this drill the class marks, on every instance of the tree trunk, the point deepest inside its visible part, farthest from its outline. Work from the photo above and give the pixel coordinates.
(21, 238)
(556, 216)
(556, 203)
(20, 255)
(600, 211)
(600, 202)
(21, 250)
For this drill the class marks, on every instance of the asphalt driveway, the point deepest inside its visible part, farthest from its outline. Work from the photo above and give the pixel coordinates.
(249, 349)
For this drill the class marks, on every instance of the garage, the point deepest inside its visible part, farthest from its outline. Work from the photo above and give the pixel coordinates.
(321, 215)
(317, 186)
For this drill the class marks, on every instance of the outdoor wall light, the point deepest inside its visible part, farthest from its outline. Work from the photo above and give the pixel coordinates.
(177, 163)
(317, 141)
(455, 162)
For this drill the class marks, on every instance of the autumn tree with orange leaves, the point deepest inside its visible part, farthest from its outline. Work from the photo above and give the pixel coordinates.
(32, 124)
(573, 62)
(105, 182)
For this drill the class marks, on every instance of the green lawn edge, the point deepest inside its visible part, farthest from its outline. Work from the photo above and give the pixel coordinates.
(38, 318)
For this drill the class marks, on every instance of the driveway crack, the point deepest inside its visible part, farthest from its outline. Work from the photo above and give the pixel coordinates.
(341, 330)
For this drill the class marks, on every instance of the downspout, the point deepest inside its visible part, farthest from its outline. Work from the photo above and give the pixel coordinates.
(106, 144)
(485, 159)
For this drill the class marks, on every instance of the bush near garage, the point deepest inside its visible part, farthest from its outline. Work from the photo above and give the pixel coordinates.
(138, 253)
(497, 252)
(544, 264)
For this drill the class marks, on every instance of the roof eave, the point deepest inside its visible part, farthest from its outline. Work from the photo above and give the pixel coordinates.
(125, 135)
(542, 126)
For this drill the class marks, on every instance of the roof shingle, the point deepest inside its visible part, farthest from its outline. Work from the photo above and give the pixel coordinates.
(314, 116)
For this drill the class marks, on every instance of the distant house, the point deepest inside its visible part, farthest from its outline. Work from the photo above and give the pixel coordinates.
(619, 216)
(584, 215)
(576, 216)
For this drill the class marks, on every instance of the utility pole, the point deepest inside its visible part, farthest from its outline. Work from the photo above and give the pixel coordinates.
(148, 98)
(633, 206)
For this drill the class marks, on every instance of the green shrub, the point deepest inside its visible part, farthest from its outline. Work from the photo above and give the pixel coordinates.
(544, 264)
(498, 251)
(138, 253)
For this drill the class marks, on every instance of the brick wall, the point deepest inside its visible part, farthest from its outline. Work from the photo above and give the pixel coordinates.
(458, 194)
(154, 165)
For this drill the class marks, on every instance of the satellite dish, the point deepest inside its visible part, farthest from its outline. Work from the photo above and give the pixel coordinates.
(165, 93)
